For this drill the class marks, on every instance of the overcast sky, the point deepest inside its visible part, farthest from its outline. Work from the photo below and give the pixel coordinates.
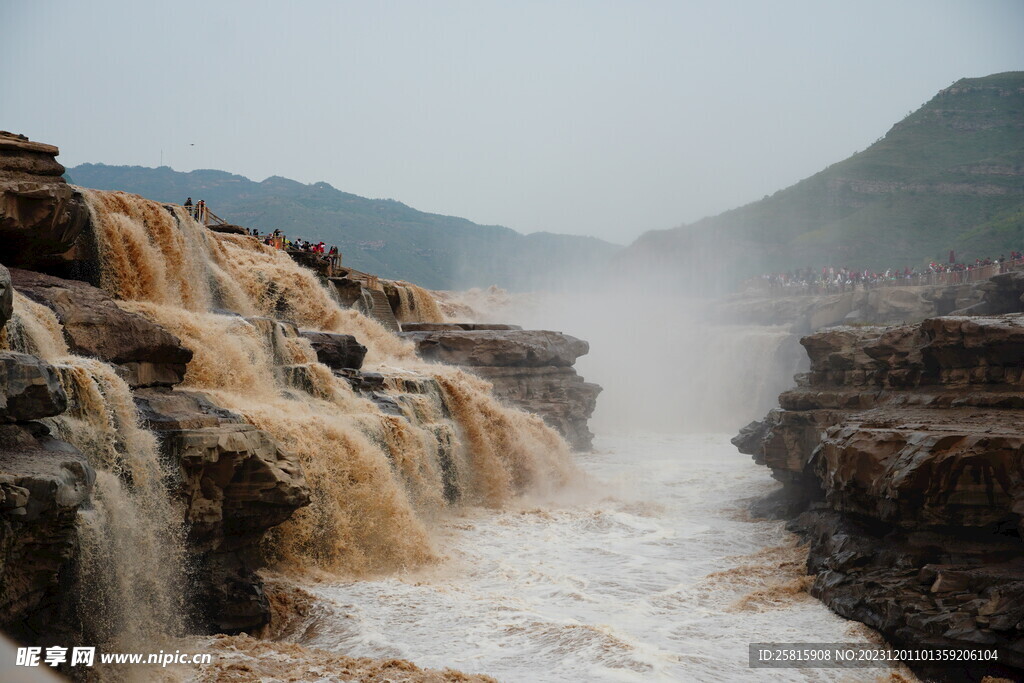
(596, 118)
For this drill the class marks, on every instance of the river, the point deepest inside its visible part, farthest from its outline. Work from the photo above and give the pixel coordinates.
(652, 570)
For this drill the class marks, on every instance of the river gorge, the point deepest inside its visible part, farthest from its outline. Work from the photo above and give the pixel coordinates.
(205, 445)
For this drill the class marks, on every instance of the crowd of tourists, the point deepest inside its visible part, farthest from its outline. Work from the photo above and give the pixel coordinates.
(276, 239)
(279, 240)
(833, 280)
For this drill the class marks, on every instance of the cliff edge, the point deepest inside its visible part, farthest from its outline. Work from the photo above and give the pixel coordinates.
(901, 454)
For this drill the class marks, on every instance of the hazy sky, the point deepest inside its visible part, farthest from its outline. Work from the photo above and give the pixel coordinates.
(598, 118)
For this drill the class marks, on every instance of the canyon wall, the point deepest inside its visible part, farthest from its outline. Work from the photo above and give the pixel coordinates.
(901, 454)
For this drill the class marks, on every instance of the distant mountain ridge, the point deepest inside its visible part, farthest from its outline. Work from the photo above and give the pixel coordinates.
(381, 236)
(948, 176)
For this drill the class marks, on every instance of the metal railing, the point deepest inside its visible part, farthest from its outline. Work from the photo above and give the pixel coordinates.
(202, 214)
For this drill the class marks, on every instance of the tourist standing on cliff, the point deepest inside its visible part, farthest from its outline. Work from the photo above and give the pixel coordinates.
(188, 206)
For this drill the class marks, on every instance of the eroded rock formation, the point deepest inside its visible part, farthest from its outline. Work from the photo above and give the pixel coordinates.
(903, 451)
(41, 217)
(530, 369)
(43, 483)
(235, 483)
(94, 326)
(232, 480)
(336, 351)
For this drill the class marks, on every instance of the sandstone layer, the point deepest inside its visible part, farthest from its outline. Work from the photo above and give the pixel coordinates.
(901, 453)
(42, 218)
(145, 354)
(530, 369)
(235, 484)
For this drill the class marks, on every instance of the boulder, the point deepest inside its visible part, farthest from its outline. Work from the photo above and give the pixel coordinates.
(29, 388)
(336, 351)
(94, 325)
(41, 216)
(499, 348)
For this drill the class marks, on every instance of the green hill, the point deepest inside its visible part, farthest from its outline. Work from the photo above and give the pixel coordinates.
(948, 176)
(380, 236)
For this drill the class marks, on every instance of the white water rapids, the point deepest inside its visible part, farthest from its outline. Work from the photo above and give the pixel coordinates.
(659, 575)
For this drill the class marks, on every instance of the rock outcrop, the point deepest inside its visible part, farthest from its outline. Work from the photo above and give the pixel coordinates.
(530, 369)
(903, 447)
(235, 484)
(233, 481)
(29, 388)
(511, 348)
(41, 217)
(43, 483)
(1003, 293)
(145, 354)
(336, 351)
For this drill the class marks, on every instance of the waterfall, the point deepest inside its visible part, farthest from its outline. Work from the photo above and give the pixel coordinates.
(416, 305)
(378, 477)
(131, 583)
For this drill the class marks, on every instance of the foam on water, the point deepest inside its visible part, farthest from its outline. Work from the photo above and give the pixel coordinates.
(658, 575)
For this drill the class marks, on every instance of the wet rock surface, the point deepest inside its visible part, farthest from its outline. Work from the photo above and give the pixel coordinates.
(558, 394)
(235, 484)
(336, 351)
(517, 348)
(530, 369)
(445, 327)
(29, 388)
(902, 455)
(94, 326)
(43, 484)
(6, 296)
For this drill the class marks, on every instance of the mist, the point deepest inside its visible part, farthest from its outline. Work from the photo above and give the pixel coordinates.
(668, 359)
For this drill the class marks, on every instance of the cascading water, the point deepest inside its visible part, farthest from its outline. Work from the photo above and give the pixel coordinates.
(377, 479)
(131, 585)
(655, 576)
(416, 305)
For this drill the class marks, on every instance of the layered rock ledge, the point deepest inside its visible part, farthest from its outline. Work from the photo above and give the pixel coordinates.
(42, 218)
(901, 454)
(235, 484)
(530, 369)
(144, 353)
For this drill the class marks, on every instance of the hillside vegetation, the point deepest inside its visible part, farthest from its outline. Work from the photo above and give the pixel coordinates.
(948, 176)
(380, 236)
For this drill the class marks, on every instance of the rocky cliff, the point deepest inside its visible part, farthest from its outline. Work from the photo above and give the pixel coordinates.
(901, 454)
(232, 481)
(181, 408)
